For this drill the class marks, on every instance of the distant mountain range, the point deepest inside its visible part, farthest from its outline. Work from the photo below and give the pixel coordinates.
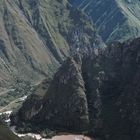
(114, 19)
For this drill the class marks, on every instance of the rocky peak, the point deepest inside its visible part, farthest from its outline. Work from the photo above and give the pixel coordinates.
(64, 106)
(66, 97)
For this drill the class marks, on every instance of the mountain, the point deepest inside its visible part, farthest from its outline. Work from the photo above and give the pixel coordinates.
(96, 93)
(36, 36)
(6, 134)
(95, 89)
(65, 97)
(114, 19)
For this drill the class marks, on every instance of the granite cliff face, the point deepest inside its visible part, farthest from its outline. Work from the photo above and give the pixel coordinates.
(114, 19)
(97, 92)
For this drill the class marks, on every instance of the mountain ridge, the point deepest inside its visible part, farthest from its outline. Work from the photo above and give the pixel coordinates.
(37, 36)
(115, 20)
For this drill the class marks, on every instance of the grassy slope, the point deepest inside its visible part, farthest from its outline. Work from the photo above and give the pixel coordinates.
(35, 37)
(23, 53)
(131, 27)
(115, 20)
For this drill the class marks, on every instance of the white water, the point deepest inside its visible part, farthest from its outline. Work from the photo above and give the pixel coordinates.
(38, 136)
(6, 113)
(59, 137)
(23, 98)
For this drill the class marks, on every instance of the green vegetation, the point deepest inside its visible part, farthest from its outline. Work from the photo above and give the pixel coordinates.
(114, 19)
(43, 33)
(17, 91)
(6, 134)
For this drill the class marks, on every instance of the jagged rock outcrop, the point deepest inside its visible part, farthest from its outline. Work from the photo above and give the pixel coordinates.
(114, 19)
(104, 86)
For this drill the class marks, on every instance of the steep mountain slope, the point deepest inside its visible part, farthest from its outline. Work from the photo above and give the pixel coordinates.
(36, 36)
(114, 19)
(101, 88)
(23, 54)
(67, 92)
